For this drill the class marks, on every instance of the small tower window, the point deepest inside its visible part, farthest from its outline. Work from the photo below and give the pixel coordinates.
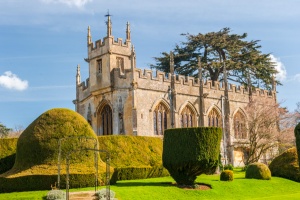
(120, 64)
(99, 65)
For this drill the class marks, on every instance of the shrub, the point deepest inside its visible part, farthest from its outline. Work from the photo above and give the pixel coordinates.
(226, 167)
(189, 152)
(101, 194)
(297, 135)
(37, 151)
(286, 165)
(226, 175)
(130, 173)
(258, 171)
(56, 195)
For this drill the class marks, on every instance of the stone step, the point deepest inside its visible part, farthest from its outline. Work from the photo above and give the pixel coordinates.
(86, 195)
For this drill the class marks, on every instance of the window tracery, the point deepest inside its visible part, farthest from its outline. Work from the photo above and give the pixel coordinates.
(160, 119)
(214, 118)
(239, 126)
(186, 117)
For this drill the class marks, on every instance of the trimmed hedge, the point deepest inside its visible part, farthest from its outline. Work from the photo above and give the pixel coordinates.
(44, 182)
(134, 157)
(258, 171)
(286, 165)
(8, 148)
(131, 173)
(189, 152)
(226, 175)
(132, 151)
(297, 135)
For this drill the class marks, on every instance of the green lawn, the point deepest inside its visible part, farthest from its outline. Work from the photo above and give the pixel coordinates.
(162, 189)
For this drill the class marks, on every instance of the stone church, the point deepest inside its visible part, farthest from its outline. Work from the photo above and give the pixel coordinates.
(120, 99)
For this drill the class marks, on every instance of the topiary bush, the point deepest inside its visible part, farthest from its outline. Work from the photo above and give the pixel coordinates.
(189, 152)
(56, 195)
(297, 135)
(226, 175)
(258, 171)
(286, 165)
(37, 152)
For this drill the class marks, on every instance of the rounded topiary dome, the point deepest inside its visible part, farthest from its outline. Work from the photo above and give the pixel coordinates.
(286, 165)
(38, 144)
(258, 171)
(36, 164)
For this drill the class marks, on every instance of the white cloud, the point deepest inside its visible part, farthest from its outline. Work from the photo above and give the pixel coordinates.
(279, 66)
(77, 3)
(12, 81)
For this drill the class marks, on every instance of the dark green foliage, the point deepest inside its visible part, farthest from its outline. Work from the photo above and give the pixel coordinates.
(244, 61)
(226, 175)
(44, 182)
(297, 135)
(7, 163)
(189, 152)
(229, 167)
(258, 171)
(131, 173)
(286, 165)
(4, 131)
(8, 148)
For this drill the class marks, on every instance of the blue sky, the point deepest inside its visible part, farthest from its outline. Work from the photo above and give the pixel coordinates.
(42, 41)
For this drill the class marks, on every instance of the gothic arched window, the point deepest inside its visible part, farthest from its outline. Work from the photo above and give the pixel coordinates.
(239, 126)
(105, 121)
(160, 119)
(187, 116)
(214, 118)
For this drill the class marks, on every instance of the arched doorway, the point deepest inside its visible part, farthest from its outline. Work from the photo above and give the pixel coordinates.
(105, 123)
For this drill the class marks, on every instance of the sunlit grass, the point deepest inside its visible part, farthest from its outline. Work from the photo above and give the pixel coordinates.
(165, 189)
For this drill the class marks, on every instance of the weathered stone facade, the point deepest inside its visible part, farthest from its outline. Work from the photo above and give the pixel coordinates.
(118, 98)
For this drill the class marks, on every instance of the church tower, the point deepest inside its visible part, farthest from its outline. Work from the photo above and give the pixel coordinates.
(107, 55)
(102, 99)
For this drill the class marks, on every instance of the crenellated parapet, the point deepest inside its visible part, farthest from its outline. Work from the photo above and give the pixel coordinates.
(84, 85)
(185, 82)
(100, 44)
